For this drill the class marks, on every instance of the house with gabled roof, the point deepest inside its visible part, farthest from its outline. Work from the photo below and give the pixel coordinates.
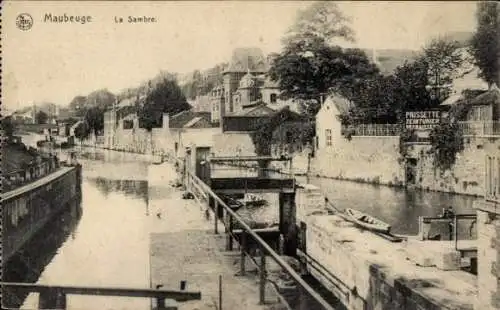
(188, 128)
(328, 122)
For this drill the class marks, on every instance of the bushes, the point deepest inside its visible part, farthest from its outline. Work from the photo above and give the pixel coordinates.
(446, 142)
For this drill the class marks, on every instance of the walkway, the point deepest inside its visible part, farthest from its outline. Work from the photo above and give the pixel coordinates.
(184, 247)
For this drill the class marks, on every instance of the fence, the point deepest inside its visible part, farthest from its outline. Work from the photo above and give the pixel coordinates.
(482, 128)
(373, 130)
(202, 193)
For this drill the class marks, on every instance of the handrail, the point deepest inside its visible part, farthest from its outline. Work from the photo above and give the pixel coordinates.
(177, 295)
(264, 245)
(248, 158)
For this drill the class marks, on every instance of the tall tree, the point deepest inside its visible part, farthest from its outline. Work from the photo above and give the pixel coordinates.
(307, 70)
(485, 45)
(41, 117)
(322, 19)
(94, 118)
(385, 99)
(165, 97)
(443, 58)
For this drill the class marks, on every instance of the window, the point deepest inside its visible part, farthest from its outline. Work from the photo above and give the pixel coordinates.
(289, 137)
(328, 137)
(274, 98)
(128, 124)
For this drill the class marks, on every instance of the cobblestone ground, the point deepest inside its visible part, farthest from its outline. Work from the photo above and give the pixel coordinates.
(184, 247)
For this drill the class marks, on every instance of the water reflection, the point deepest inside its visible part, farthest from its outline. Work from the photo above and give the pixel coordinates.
(399, 207)
(137, 189)
(30, 262)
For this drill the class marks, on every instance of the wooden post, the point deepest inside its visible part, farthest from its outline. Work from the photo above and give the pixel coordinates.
(52, 299)
(216, 214)
(243, 243)
(262, 283)
(229, 239)
(220, 292)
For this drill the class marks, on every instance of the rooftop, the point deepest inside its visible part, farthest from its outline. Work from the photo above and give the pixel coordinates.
(190, 119)
(15, 156)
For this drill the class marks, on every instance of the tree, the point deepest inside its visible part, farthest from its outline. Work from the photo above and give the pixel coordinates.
(8, 126)
(307, 70)
(321, 19)
(165, 97)
(82, 131)
(485, 45)
(78, 105)
(385, 99)
(443, 59)
(41, 117)
(94, 118)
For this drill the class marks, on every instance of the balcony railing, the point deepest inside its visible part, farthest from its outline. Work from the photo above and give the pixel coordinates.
(480, 128)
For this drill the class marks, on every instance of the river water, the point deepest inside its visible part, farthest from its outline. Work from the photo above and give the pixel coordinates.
(104, 241)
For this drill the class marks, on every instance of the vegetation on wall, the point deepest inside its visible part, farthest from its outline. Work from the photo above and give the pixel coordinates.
(261, 138)
(294, 133)
(274, 130)
(446, 142)
(407, 135)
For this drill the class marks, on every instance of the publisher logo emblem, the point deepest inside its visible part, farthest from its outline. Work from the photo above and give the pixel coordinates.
(24, 21)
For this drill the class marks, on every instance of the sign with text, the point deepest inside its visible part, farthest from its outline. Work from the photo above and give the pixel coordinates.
(423, 120)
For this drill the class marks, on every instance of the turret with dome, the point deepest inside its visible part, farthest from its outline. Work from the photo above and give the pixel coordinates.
(245, 81)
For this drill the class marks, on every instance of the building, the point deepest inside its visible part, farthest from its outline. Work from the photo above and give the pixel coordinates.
(237, 128)
(245, 82)
(328, 122)
(488, 227)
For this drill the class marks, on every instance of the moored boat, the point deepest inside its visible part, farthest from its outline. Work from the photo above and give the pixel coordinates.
(253, 201)
(367, 221)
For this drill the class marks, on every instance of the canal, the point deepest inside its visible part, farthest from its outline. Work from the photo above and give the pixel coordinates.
(104, 241)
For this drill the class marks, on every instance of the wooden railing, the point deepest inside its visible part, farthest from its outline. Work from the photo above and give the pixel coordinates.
(202, 193)
(55, 297)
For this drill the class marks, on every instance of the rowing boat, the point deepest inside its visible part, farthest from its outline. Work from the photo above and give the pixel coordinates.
(367, 221)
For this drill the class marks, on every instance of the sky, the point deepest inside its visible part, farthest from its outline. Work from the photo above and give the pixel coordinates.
(55, 62)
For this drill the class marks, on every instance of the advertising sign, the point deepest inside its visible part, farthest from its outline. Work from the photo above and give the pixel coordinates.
(423, 120)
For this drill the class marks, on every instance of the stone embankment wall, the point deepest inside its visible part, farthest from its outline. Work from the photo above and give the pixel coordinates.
(466, 176)
(488, 254)
(364, 159)
(377, 160)
(161, 140)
